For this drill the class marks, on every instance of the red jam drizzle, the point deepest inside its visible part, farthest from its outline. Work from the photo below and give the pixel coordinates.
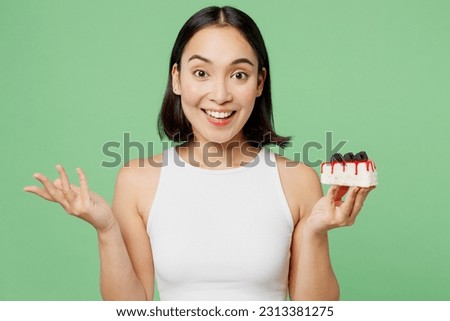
(369, 164)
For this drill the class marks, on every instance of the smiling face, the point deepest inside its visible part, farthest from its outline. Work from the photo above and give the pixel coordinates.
(218, 82)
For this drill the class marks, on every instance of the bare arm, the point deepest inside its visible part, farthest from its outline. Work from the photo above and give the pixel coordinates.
(133, 187)
(118, 278)
(311, 274)
(313, 278)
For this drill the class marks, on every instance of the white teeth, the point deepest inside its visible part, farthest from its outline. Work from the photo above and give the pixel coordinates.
(217, 114)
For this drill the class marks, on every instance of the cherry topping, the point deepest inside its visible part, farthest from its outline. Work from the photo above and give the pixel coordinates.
(337, 158)
(349, 157)
(361, 156)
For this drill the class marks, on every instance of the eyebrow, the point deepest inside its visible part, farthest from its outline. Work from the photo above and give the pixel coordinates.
(234, 62)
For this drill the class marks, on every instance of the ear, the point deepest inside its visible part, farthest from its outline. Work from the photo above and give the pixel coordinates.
(175, 80)
(261, 79)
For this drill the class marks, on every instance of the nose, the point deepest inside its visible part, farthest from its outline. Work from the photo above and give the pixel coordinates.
(220, 92)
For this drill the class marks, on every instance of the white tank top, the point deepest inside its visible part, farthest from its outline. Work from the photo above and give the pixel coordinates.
(220, 234)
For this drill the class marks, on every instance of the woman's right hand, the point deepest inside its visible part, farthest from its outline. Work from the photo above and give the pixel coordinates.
(77, 201)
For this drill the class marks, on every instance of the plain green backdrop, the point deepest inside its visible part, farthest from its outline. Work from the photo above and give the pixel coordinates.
(75, 75)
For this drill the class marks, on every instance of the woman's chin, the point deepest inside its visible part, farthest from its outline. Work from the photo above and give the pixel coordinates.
(218, 140)
(215, 138)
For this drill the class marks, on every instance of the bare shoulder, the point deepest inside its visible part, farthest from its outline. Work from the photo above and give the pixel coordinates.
(137, 182)
(297, 173)
(141, 169)
(301, 185)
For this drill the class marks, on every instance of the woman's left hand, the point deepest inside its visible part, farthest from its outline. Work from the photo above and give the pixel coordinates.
(331, 212)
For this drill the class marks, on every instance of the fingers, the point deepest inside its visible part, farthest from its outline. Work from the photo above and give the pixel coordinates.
(49, 192)
(335, 194)
(84, 187)
(360, 199)
(349, 202)
(354, 203)
(341, 192)
(332, 194)
(39, 192)
(60, 191)
(335, 213)
(65, 185)
(58, 184)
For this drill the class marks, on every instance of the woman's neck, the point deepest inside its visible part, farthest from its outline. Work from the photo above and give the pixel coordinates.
(213, 155)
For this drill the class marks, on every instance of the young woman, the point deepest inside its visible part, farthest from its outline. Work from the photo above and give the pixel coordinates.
(223, 218)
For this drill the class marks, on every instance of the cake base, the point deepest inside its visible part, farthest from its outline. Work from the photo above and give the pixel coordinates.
(355, 173)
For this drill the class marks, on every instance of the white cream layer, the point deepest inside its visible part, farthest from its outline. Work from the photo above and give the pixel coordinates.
(348, 175)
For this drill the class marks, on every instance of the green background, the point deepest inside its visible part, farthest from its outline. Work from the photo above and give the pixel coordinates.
(77, 74)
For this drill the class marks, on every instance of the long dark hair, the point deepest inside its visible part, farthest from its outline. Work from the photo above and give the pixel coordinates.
(259, 129)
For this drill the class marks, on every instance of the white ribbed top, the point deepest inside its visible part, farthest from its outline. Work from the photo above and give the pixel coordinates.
(220, 234)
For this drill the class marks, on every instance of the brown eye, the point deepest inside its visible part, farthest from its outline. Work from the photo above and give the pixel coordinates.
(240, 75)
(200, 73)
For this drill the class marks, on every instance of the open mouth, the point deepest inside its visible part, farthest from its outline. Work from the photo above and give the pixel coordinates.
(219, 118)
(219, 115)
